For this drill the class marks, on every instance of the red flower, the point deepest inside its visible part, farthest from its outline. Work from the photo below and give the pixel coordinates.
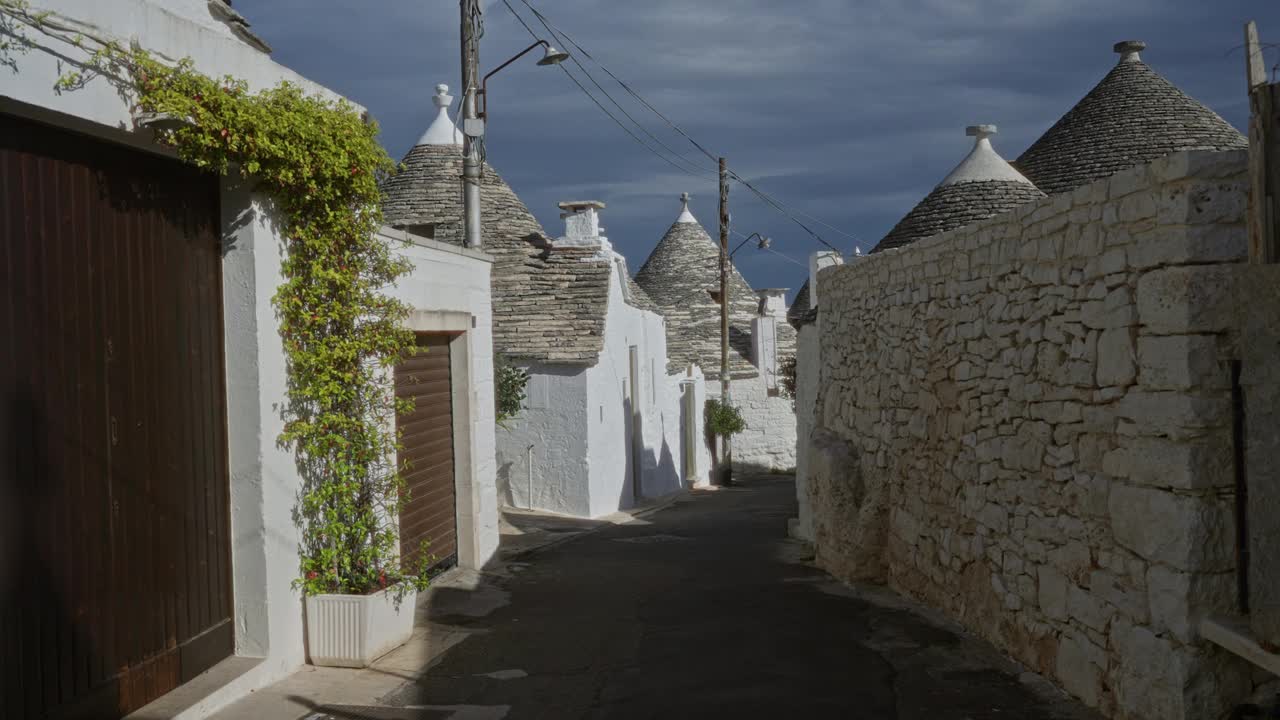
(312, 575)
(382, 578)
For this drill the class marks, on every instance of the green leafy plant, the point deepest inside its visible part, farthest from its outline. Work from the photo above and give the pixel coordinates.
(319, 161)
(509, 389)
(787, 378)
(722, 419)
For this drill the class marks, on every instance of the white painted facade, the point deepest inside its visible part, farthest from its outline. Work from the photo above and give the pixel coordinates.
(689, 390)
(575, 448)
(448, 291)
(769, 442)
(614, 408)
(268, 613)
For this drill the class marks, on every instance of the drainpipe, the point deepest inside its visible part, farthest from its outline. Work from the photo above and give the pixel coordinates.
(528, 453)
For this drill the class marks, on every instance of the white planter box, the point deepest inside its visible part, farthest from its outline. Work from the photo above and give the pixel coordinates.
(355, 630)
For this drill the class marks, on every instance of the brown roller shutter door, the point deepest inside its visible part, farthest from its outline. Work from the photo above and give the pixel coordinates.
(426, 436)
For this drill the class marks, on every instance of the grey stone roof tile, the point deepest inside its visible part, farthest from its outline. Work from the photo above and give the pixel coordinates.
(955, 205)
(1133, 116)
(677, 276)
(549, 303)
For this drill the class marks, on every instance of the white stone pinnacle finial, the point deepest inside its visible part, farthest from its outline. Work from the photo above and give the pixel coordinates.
(442, 130)
(983, 162)
(442, 97)
(685, 215)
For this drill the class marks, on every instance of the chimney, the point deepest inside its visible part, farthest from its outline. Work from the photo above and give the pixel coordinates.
(581, 224)
(1129, 50)
(818, 261)
(773, 303)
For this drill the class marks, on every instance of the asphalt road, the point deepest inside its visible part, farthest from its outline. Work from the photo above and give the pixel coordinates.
(707, 610)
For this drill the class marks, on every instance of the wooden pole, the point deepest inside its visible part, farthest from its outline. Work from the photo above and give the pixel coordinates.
(1264, 154)
(727, 472)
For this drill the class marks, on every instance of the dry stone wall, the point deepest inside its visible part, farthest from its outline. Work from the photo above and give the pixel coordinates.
(1036, 413)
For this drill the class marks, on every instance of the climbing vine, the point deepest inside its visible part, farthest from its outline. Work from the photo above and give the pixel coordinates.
(319, 162)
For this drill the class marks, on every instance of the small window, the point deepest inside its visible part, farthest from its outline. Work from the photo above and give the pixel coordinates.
(425, 230)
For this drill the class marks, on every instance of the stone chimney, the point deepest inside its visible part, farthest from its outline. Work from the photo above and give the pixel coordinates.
(773, 303)
(1129, 50)
(818, 261)
(441, 131)
(582, 224)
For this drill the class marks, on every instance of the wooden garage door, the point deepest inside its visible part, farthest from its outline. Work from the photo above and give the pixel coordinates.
(427, 455)
(114, 538)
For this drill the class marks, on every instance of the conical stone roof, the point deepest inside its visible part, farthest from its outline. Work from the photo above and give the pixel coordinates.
(549, 302)
(981, 186)
(799, 312)
(677, 277)
(1133, 116)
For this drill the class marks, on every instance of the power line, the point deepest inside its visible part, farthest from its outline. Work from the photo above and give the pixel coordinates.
(597, 102)
(567, 40)
(633, 93)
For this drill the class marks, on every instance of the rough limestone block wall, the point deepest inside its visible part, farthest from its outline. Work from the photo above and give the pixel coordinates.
(769, 442)
(808, 368)
(1258, 304)
(1036, 412)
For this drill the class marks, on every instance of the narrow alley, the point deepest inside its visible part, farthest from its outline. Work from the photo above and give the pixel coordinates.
(704, 609)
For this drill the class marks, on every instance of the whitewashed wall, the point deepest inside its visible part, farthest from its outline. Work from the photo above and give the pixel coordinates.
(699, 475)
(448, 283)
(609, 398)
(551, 432)
(769, 442)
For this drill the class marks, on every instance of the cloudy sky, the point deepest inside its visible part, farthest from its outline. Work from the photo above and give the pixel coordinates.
(849, 110)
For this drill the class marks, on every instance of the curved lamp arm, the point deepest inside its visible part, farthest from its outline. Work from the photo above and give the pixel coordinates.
(553, 57)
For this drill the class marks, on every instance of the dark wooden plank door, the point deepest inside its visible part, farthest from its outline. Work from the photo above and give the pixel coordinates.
(114, 532)
(426, 436)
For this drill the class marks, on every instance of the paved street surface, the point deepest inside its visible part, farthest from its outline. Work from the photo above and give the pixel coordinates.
(703, 610)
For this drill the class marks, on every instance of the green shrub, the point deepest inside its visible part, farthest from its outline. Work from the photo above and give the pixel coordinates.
(723, 419)
(509, 389)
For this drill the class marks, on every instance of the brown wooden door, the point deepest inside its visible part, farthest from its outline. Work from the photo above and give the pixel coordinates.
(426, 436)
(114, 533)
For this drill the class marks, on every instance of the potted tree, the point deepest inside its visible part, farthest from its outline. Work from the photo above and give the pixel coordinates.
(360, 594)
(722, 421)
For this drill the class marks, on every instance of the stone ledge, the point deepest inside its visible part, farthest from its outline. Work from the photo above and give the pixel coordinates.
(1233, 635)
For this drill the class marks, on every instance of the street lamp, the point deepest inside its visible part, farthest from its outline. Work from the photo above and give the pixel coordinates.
(762, 245)
(550, 56)
(473, 121)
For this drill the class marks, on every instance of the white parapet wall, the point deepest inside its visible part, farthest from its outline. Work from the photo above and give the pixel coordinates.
(1033, 416)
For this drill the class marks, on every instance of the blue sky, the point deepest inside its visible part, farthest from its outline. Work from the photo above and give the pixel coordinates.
(850, 110)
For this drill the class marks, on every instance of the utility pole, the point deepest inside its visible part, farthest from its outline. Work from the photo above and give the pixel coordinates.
(472, 126)
(727, 473)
